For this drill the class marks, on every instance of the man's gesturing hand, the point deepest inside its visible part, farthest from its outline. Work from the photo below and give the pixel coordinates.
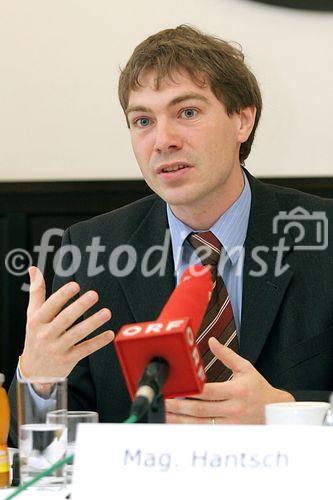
(51, 343)
(240, 400)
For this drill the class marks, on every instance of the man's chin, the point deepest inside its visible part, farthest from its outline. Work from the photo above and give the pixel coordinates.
(177, 200)
(177, 196)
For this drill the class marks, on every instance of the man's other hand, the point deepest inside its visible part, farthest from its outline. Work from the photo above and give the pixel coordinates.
(53, 344)
(240, 400)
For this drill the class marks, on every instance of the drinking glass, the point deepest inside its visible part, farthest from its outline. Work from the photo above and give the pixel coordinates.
(42, 443)
(74, 418)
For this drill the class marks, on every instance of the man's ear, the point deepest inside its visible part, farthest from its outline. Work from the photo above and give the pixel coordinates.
(247, 117)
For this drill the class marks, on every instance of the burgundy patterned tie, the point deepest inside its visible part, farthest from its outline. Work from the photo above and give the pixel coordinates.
(219, 320)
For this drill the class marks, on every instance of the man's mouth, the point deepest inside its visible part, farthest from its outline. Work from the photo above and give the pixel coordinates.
(168, 168)
(174, 168)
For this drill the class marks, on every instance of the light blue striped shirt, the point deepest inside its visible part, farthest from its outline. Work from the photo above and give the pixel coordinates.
(230, 229)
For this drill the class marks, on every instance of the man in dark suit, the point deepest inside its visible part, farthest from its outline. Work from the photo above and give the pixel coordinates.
(192, 107)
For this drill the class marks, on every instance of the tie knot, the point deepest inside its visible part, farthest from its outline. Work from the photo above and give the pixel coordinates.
(207, 246)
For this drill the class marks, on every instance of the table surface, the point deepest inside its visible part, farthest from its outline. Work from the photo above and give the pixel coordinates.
(36, 494)
(33, 494)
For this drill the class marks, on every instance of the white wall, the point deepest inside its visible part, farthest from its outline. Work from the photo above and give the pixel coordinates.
(59, 114)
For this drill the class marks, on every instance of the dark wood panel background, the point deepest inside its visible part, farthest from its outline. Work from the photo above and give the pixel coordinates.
(317, 5)
(28, 209)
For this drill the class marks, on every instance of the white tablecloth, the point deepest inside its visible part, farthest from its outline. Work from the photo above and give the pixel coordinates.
(36, 495)
(33, 494)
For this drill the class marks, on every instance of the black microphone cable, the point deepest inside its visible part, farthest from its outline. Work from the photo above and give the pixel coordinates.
(149, 386)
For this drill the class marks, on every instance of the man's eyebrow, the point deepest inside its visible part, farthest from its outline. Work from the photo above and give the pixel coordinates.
(173, 102)
(132, 109)
(187, 97)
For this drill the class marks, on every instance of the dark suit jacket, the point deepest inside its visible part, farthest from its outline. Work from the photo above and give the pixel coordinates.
(287, 320)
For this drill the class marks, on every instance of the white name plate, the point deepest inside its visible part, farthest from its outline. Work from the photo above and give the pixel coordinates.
(203, 461)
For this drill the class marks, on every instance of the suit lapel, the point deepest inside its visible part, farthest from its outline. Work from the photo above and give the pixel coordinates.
(262, 295)
(147, 293)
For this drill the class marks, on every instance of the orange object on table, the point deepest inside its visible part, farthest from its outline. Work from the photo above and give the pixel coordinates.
(4, 431)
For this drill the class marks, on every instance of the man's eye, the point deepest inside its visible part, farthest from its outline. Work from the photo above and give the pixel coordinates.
(142, 122)
(189, 112)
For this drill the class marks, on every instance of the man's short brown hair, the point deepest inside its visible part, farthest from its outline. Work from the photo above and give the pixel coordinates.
(207, 59)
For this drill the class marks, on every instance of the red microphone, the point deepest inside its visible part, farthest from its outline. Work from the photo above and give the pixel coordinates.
(170, 339)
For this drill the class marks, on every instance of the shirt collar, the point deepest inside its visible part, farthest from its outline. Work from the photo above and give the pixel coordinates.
(230, 228)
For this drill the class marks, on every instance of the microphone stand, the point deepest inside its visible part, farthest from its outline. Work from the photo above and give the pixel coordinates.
(156, 412)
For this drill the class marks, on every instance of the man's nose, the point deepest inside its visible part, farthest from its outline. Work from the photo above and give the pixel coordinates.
(166, 137)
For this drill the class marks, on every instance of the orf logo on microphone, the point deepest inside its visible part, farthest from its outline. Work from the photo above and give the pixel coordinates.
(154, 327)
(172, 340)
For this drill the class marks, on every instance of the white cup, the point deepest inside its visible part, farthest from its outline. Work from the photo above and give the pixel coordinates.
(296, 413)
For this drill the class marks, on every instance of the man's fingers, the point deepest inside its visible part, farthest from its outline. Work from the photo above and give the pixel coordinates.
(173, 418)
(57, 301)
(65, 319)
(195, 408)
(37, 290)
(89, 346)
(231, 410)
(229, 357)
(216, 391)
(81, 330)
